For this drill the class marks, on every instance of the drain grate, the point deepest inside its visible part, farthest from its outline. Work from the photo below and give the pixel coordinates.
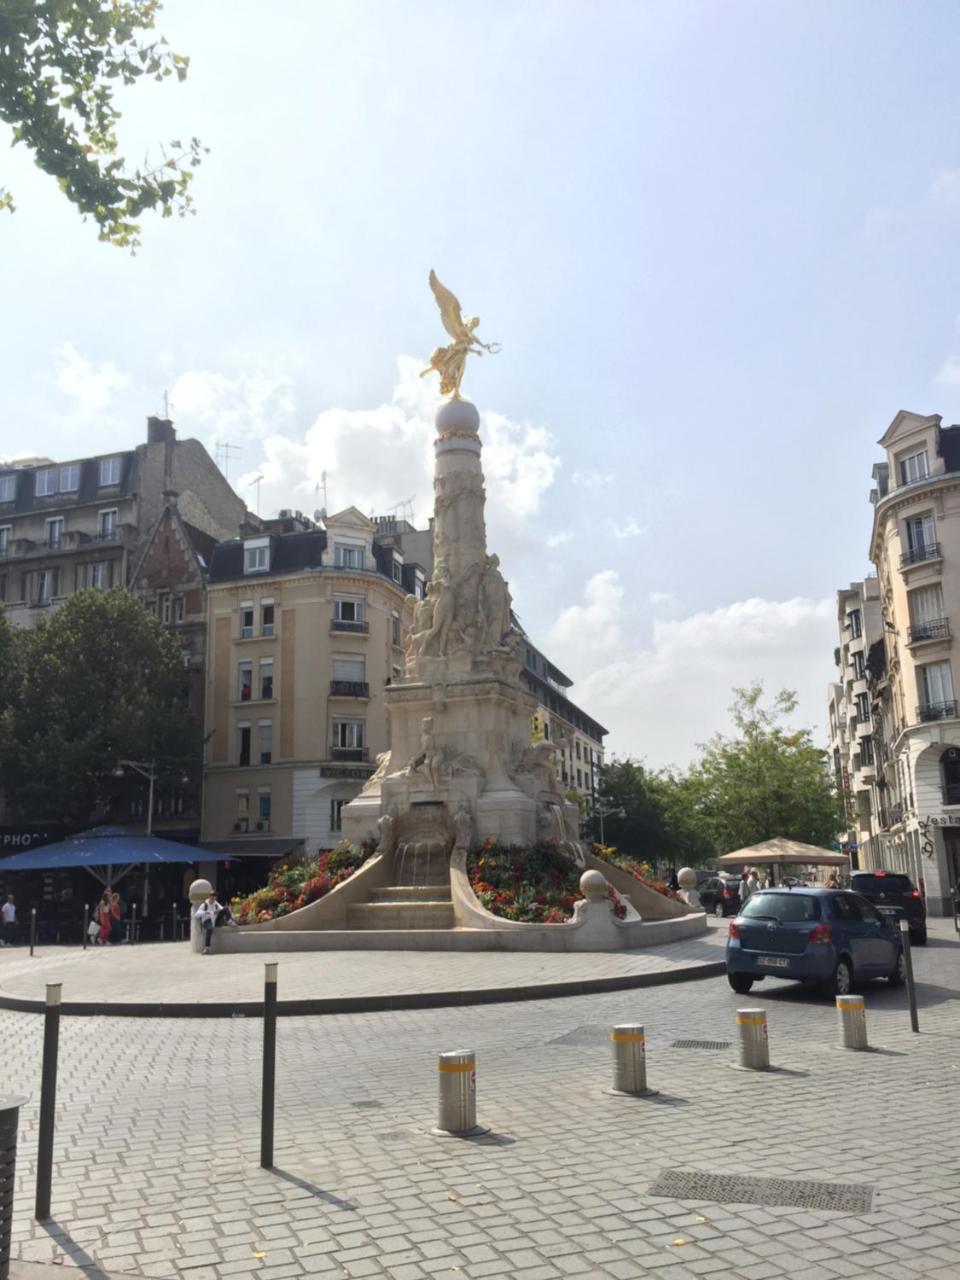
(701, 1044)
(583, 1035)
(367, 1104)
(724, 1188)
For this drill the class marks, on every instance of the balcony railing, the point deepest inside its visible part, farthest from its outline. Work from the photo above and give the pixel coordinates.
(349, 753)
(951, 793)
(916, 555)
(937, 711)
(349, 689)
(108, 535)
(935, 629)
(344, 624)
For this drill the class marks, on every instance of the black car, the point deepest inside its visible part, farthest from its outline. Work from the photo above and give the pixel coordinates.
(720, 897)
(894, 889)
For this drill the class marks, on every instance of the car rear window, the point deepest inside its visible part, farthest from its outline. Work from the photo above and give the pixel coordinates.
(871, 885)
(783, 907)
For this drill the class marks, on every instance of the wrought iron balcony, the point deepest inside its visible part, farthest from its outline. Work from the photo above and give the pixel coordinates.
(916, 555)
(344, 624)
(935, 629)
(349, 753)
(951, 793)
(349, 689)
(937, 711)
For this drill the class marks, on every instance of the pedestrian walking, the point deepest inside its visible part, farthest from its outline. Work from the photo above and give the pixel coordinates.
(116, 918)
(207, 913)
(105, 919)
(8, 916)
(749, 883)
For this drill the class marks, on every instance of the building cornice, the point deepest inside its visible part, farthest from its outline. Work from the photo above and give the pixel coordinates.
(903, 496)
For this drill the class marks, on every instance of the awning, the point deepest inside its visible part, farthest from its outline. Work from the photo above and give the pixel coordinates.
(781, 852)
(254, 848)
(106, 847)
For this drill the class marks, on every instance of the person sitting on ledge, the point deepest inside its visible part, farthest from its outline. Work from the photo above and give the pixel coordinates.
(207, 914)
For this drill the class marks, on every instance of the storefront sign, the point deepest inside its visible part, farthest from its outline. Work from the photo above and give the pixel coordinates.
(359, 774)
(20, 839)
(940, 820)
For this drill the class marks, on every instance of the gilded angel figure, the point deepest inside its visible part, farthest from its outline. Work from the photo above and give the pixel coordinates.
(449, 361)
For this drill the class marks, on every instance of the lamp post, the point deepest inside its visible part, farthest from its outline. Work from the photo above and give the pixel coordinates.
(601, 813)
(148, 771)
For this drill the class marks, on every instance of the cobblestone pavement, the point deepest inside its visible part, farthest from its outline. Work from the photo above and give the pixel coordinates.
(157, 1142)
(170, 971)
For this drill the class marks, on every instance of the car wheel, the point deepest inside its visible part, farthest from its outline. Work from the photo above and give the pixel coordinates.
(919, 939)
(899, 975)
(718, 911)
(741, 982)
(841, 981)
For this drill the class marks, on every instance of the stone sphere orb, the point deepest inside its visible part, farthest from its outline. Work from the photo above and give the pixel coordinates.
(687, 878)
(460, 415)
(593, 886)
(199, 890)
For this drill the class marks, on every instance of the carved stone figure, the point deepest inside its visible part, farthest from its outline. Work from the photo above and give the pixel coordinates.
(441, 592)
(429, 759)
(494, 604)
(388, 832)
(463, 827)
(383, 764)
(450, 361)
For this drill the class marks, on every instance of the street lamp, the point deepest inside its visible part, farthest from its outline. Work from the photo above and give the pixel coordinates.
(148, 771)
(601, 813)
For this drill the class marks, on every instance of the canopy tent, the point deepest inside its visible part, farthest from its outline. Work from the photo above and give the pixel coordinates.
(103, 848)
(781, 852)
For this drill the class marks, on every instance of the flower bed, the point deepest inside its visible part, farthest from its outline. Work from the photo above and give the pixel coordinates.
(295, 884)
(541, 885)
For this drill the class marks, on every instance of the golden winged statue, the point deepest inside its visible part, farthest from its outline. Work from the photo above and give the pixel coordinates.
(449, 361)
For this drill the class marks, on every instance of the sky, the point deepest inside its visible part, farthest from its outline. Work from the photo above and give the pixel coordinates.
(717, 241)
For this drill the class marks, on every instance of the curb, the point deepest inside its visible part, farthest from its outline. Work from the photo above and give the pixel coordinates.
(371, 1004)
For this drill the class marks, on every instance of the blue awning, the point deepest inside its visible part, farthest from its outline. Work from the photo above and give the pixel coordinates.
(107, 847)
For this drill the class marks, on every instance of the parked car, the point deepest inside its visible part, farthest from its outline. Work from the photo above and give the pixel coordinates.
(894, 889)
(720, 896)
(822, 936)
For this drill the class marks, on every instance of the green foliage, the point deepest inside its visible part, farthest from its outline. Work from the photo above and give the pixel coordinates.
(293, 885)
(61, 62)
(99, 682)
(658, 824)
(535, 886)
(766, 781)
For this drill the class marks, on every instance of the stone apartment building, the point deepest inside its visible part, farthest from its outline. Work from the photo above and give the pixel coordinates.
(909, 666)
(562, 721)
(305, 625)
(82, 523)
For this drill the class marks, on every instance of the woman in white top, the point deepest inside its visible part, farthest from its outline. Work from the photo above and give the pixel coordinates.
(207, 913)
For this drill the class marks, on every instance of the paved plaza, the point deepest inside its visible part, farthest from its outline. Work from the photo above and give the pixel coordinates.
(157, 1145)
(165, 973)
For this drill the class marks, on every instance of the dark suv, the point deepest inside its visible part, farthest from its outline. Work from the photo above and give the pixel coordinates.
(720, 896)
(894, 889)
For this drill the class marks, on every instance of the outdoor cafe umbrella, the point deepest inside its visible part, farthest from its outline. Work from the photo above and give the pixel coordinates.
(781, 852)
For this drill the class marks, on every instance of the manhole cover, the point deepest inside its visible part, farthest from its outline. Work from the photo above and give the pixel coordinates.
(724, 1188)
(583, 1035)
(700, 1044)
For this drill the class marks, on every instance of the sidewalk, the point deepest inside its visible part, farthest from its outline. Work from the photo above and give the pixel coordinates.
(168, 979)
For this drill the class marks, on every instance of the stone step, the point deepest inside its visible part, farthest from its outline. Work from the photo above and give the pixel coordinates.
(412, 893)
(400, 915)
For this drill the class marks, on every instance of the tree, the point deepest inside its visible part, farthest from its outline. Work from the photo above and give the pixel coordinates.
(766, 781)
(61, 62)
(99, 682)
(656, 822)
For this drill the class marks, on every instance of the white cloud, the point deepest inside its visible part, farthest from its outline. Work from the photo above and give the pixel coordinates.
(949, 373)
(91, 387)
(630, 529)
(662, 599)
(946, 186)
(593, 479)
(372, 458)
(558, 539)
(661, 697)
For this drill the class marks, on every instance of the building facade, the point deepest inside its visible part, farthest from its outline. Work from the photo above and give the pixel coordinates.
(305, 625)
(69, 525)
(909, 665)
(579, 737)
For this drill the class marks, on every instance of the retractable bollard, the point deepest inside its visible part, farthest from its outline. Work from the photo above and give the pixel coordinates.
(908, 974)
(48, 1101)
(86, 925)
(852, 1016)
(269, 1087)
(457, 1112)
(9, 1120)
(753, 1043)
(629, 1061)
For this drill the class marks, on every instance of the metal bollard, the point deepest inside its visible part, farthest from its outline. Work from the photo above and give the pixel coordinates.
(754, 1046)
(268, 1087)
(133, 924)
(48, 1101)
(911, 985)
(457, 1078)
(173, 925)
(33, 928)
(86, 925)
(629, 1061)
(853, 1022)
(9, 1120)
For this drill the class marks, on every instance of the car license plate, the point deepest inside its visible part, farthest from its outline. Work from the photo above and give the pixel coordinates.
(775, 962)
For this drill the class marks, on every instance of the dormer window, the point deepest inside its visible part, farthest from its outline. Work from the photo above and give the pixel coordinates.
(46, 482)
(913, 467)
(347, 555)
(397, 570)
(256, 555)
(8, 488)
(109, 472)
(70, 478)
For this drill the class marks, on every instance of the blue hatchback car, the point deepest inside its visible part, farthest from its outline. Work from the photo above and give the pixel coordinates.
(826, 936)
